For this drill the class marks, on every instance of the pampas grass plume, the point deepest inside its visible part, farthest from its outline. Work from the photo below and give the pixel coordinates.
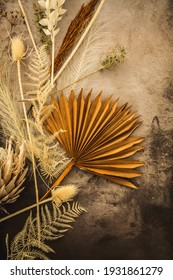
(64, 194)
(17, 48)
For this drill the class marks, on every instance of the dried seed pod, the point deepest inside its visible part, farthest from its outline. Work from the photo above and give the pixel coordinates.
(12, 172)
(17, 48)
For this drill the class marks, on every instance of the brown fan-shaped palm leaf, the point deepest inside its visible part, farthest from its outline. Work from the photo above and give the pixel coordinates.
(98, 136)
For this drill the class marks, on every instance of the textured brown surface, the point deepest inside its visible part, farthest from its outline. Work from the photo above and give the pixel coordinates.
(122, 223)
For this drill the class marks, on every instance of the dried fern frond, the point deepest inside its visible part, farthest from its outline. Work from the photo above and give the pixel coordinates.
(98, 136)
(75, 29)
(51, 158)
(12, 172)
(54, 224)
(38, 76)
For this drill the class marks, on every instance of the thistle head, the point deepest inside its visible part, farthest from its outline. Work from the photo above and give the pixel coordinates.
(17, 48)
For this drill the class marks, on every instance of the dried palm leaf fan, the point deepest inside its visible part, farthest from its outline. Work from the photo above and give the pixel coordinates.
(97, 138)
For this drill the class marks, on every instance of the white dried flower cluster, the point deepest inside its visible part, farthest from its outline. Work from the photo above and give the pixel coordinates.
(53, 13)
(12, 173)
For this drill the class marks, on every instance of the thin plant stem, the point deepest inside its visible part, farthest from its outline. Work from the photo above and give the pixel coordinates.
(7, 246)
(30, 142)
(82, 78)
(53, 58)
(29, 29)
(25, 209)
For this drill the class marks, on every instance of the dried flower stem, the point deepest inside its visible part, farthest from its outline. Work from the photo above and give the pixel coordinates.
(25, 209)
(53, 58)
(29, 29)
(30, 141)
(113, 57)
(82, 78)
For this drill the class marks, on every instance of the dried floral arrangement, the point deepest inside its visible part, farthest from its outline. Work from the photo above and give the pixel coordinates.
(57, 131)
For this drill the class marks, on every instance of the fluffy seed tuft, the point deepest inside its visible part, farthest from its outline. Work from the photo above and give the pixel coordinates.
(64, 194)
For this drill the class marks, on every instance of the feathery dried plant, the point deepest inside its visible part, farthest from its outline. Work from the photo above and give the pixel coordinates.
(98, 137)
(51, 157)
(10, 110)
(85, 63)
(12, 172)
(63, 194)
(76, 27)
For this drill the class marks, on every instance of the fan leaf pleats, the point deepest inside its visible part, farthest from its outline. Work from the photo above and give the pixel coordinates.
(97, 135)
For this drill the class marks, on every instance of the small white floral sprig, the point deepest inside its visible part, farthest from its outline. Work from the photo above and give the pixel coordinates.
(53, 13)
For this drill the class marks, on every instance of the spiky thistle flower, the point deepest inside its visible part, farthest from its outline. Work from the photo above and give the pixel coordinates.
(17, 48)
(12, 172)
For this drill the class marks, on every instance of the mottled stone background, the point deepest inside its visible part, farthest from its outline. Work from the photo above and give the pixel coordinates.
(121, 223)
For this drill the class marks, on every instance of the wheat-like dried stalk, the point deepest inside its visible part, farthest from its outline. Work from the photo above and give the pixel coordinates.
(60, 195)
